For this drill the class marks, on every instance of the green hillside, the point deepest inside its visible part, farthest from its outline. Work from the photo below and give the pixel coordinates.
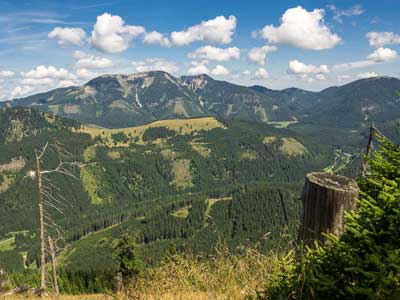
(359, 103)
(192, 182)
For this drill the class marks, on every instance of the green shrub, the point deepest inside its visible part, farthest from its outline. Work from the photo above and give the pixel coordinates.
(127, 257)
(120, 137)
(11, 261)
(364, 263)
(27, 277)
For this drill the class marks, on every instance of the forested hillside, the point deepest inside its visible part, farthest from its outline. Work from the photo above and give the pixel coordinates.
(192, 183)
(183, 185)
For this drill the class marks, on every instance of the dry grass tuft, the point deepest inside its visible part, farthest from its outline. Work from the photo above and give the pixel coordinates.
(53, 297)
(224, 277)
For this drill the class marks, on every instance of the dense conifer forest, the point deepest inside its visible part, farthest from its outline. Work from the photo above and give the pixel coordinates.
(192, 188)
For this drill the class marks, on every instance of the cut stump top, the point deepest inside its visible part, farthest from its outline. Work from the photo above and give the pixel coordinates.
(333, 182)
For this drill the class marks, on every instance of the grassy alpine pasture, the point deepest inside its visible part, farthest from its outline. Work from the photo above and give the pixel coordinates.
(180, 126)
(292, 147)
(7, 244)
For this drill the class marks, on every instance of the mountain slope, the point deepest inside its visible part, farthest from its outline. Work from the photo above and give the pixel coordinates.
(358, 103)
(120, 100)
(227, 100)
(116, 101)
(297, 101)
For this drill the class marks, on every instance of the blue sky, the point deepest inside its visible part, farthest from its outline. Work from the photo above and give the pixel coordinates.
(278, 44)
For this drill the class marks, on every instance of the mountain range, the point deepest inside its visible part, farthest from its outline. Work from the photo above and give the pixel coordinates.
(189, 162)
(116, 101)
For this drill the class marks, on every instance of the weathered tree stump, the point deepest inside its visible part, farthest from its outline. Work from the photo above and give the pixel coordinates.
(326, 198)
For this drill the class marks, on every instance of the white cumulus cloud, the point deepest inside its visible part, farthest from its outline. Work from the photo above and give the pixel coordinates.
(383, 55)
(21, 91)
(214, 53)
(380, 39)
(261, 73)
(3, 94)
(111, 35)
(380, 55)
(68, 36)
(86, 61)
(198, 69)
(65, 83)
(155, 37)
(367, 75)
(320, 77)
(156, 64)
(6, 74)
(298, 68)
(343, 78)
(38, 81)
(258, 55)
(43, 78)
(220, 70)
(86, 74)
(303, 29)
(49, 72)
(219, 31)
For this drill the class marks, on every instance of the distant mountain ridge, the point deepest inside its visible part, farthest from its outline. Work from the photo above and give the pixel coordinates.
(360, 102)
(128, 100)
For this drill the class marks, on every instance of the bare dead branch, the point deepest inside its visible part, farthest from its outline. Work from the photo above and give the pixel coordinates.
(43, 151)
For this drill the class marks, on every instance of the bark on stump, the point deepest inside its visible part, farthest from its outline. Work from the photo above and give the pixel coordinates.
(326, 198)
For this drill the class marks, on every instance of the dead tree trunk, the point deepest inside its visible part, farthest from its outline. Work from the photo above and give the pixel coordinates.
(41, 221)
(326, 197)
(46, 197)
(54, 266)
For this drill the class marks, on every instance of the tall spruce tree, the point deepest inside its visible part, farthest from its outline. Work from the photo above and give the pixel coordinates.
(127, 257)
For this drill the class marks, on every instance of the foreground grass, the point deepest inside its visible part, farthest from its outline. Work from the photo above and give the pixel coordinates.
(62, 297)
(223, 277)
